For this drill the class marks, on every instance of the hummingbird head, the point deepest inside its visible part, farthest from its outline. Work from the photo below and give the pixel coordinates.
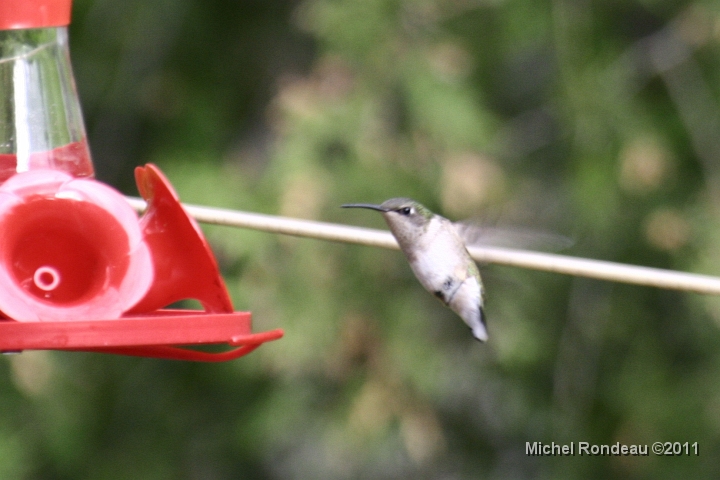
(406, 218)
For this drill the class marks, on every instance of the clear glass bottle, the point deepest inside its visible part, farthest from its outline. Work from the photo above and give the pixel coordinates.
(41, 124)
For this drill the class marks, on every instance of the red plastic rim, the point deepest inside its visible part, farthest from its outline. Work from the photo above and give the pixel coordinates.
(16, 14)
(155, 335)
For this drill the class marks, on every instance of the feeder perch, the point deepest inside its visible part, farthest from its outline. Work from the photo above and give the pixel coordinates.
(79, 271)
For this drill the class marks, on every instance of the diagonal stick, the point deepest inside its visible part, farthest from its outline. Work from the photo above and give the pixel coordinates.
(599, 269)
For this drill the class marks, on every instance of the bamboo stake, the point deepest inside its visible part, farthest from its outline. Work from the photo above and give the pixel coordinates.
(549, 262)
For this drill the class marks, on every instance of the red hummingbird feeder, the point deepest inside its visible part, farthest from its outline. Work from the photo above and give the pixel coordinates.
(78, 269)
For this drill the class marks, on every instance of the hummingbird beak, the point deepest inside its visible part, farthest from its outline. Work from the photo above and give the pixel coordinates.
(371, 206)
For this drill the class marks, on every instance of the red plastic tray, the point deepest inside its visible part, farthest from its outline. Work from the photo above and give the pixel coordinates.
(158, 335)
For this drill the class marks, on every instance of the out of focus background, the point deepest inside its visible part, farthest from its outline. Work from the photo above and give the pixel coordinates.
(596, 120)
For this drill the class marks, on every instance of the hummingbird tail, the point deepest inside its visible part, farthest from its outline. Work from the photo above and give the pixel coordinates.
(479, 330)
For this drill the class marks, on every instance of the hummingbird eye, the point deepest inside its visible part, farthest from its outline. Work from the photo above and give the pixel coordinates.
(405, 211)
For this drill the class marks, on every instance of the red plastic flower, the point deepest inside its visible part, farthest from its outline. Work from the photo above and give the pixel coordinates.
(70, 249)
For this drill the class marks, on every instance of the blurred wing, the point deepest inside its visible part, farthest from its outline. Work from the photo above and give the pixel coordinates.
(511, 237)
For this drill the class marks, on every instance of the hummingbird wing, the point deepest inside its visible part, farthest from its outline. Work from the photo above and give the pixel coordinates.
(475, 235)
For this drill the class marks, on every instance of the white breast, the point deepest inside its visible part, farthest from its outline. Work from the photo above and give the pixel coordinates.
(436, 256)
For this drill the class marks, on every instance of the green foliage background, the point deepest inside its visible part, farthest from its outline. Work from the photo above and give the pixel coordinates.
(597, 120)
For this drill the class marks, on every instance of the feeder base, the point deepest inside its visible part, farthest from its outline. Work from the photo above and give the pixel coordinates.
(155, 335)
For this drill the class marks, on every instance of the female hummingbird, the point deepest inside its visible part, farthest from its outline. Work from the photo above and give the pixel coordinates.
(438, 257)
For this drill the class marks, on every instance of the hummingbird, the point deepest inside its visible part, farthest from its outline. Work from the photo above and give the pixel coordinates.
(438, 257)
